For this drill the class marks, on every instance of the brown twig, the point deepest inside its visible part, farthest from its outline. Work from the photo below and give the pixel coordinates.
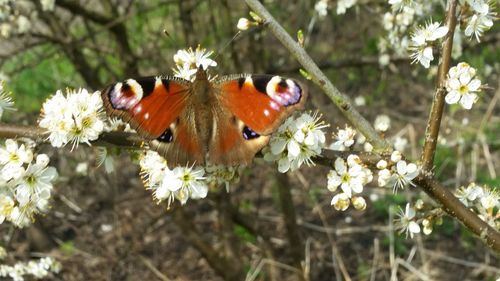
(436, 114)
(219, 263)
(290, 218)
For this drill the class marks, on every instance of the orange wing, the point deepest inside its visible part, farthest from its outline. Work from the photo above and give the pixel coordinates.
(261, 102)
(250, 109)
(156, 108)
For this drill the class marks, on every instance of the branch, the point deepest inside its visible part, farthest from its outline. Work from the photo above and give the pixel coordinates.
(290, 218)
(434, 122)
(437, 191)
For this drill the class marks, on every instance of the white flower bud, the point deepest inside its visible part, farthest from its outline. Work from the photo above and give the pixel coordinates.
(382, 164)
(396, 156)
(340, 202)
(359, 203)
(244, 24)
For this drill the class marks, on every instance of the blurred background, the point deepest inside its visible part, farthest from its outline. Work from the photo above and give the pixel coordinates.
(103, 225)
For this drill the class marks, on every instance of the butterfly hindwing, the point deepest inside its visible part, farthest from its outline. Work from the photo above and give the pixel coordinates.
(261, 102)
(232, 141)
(156, 108)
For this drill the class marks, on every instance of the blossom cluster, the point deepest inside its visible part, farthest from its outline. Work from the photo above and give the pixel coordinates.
(36, 269)
(296, 141)
(484, 200)
(478, 16)
(180, 183)
(350, 176)
(348, 138)
(77, 117)
(188, 61)
(421, 42)
(397, 173)
(25, 186)
(396, 23)
(462, 86)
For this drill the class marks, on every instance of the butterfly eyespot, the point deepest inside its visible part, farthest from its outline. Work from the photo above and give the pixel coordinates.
(249, 134)
(125, 95)
(167, 136)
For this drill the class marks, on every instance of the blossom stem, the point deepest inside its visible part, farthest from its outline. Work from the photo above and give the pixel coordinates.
(320, 79)
(436, 114)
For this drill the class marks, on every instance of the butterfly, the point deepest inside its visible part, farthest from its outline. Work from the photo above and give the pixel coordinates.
(221, 121)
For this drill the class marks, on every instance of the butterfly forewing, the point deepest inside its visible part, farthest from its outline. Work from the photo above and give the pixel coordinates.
(155, 107)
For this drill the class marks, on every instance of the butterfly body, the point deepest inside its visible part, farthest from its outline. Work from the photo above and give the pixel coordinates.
(225, 121)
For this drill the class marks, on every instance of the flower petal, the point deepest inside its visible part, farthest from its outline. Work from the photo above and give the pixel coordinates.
(452, 97)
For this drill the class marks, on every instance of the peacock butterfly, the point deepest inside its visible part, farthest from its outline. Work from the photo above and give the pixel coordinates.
(222, 121)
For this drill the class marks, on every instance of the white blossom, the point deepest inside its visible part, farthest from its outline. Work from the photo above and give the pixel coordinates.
(400, 143)
(423, 55)
(343, 5)
(469, 194)
(188, 61)
(481, 20)
(404, 175)
(420, 47)
(321, 7)
(431, 32)
(295, 142)
(76, 118)
(340, 202)
(36, 183)
(185, 71)
(485, 201)
(406, 221)
(25, 187)
(12, 158)
(350, 176)
(461, 85)
(38, 269)
(180, 183)
(382, 123)
(384, 176)
(343, 139)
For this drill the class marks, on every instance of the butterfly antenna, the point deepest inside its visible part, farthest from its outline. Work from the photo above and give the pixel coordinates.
(226, 45)
(167, 34)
